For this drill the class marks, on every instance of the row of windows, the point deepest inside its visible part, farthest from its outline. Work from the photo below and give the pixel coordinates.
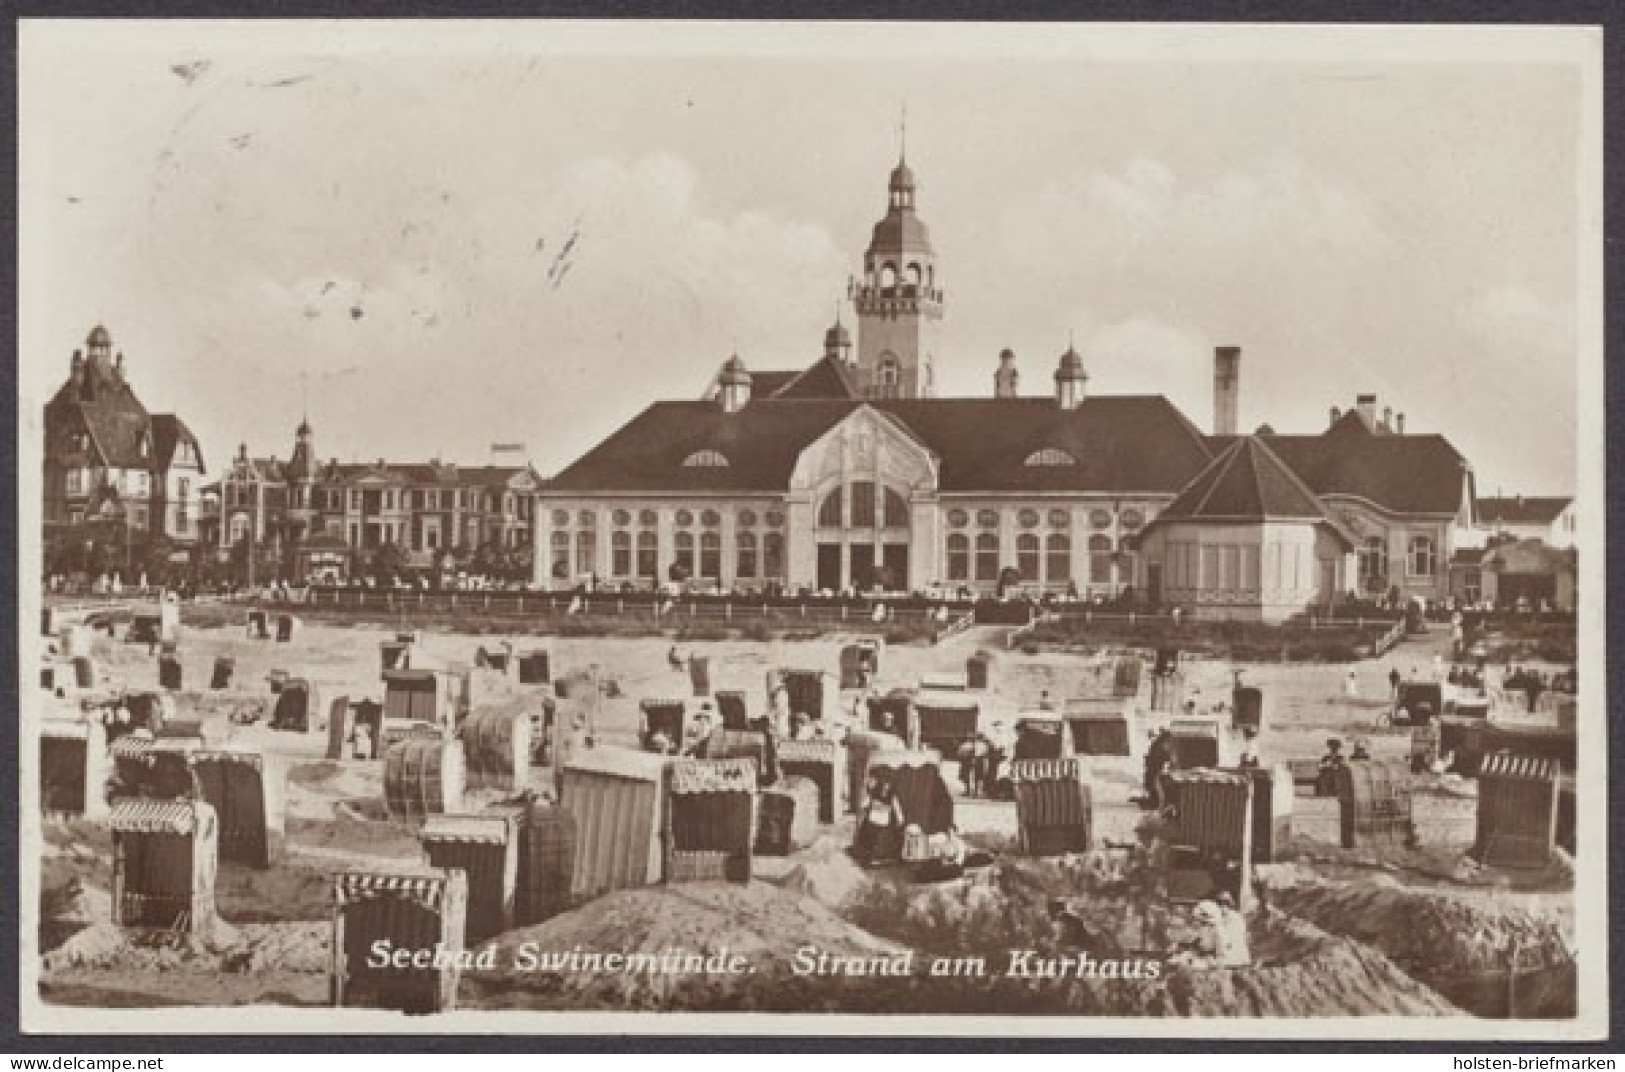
(710, 519)
(860, 505)
(1231, 566)
(388, 499)
(1028, 518)
(639, 556)
(1048, 559)
(1421, 558)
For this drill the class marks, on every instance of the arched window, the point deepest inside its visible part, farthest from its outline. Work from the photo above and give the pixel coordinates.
(958, 557)
(1051, 456)
(622, 518)
(648, 554)
(896, 510)
(1027, 557)
(710, 518)
(684, 519)
(747, 518)
(648, 517)
(987, 519)
(746, 544)
(829, 511)
(863, 505)
(711, 555)
(1100, 560)
(685, 552)
(888, 275)
(706, 459)
(958, 518)
(587, 519)
(773, 555)
(1059, 519)
(620, 558)
(987, 557)
(1027, 518)
(915, 276)
(1421, 557)
(1058, 557)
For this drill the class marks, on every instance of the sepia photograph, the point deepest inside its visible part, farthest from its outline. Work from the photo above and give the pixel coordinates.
(845, 528)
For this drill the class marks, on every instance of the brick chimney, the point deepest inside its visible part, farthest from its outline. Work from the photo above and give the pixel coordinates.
(1367, 407)
(1337, 415)
(1226, 389)
(1007, 376)
(1399, 424)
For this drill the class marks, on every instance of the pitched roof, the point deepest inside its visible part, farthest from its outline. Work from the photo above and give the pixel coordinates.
(1522, 509)
(169, 432)
(766, 384)
(1248, 482)
(1119, 443)
(825, 378)
(118, 430)
(1407, 474)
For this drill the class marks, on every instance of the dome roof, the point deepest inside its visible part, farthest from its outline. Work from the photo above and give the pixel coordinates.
(900, 231)
(902, 177)
(1071, 366)
(99, 337)
(837, 335)
(734, 371)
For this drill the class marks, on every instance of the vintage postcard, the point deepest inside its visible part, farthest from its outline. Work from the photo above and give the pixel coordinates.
(841, 528)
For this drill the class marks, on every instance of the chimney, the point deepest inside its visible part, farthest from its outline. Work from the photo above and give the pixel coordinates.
(1367, 405)
(734, 385)
(1337, 415)
(1399, 424)
(1388, 418)
(1226, 389)
(1006, 378)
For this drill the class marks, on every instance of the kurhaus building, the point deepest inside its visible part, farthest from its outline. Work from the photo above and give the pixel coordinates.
(850, 474)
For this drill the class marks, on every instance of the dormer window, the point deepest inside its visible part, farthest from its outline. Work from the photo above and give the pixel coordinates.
(706, 459)
(1051, 456)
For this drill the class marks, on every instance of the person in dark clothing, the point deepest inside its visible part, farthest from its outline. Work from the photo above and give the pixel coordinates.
(1159, 759)
(880, 831)
(1393, 681)
(1331, 764)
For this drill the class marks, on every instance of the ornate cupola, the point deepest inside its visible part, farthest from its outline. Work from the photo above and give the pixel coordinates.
(1071, 381)
(733, 385)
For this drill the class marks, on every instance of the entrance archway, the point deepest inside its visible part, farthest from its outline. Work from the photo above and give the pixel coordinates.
(862, 532)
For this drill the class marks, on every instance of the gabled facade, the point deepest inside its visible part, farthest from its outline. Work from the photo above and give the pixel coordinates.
(108, 460)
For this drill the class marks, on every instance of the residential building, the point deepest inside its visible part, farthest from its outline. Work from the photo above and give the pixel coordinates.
(324, 513)
(108, 460)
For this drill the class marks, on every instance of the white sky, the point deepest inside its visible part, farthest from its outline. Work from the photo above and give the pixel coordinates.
(1354, 211)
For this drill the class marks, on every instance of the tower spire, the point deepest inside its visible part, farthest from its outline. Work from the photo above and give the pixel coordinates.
(902, 134)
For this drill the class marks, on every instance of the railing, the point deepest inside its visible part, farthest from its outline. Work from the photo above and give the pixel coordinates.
(958, 624)
(1385, 643)
(674, 612)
